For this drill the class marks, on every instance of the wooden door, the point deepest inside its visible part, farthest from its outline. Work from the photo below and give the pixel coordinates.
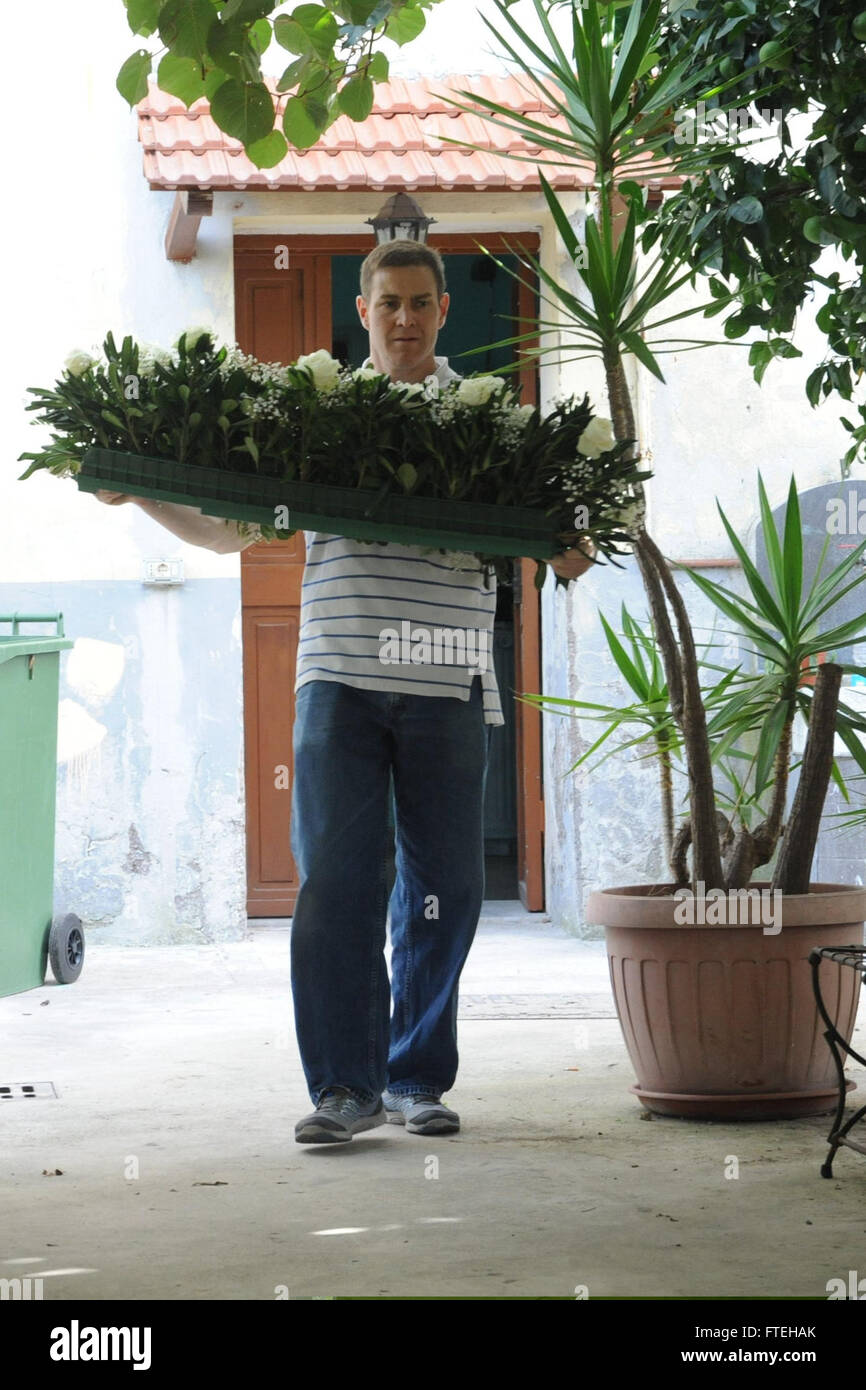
(283, 309)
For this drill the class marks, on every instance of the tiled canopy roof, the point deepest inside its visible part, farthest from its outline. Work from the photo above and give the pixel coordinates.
(397, 147)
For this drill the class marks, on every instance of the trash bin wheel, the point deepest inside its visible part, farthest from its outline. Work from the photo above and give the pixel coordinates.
(66, 948)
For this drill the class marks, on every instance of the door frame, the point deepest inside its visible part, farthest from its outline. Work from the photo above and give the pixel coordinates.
(257, 251)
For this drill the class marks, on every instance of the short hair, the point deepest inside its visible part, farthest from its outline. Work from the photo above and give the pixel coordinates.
(402, 252)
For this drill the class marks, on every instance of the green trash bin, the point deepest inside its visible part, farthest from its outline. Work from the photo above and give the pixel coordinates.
(29, 684)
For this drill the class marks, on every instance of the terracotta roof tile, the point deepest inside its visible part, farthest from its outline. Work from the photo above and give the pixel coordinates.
(400, 145)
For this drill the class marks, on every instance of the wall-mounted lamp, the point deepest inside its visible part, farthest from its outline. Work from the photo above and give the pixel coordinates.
(400, 219)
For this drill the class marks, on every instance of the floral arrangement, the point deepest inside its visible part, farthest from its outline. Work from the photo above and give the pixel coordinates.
(315, 420)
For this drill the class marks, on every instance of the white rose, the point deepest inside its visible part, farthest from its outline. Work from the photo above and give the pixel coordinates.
(193, 336)
(366, 373)
(410, 388)
(78, 362)
(597, 438)
(478, 389)
(151, 355)
(324, 369)
(525, 411)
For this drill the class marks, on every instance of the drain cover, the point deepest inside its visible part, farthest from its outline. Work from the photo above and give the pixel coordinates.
(28, 1090)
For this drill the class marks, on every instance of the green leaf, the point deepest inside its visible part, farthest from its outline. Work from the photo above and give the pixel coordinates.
(360, 10)
(736, 326)
(269, 151)
(244, 9)
(378, 67)
(404, 25)
(771, 539)
(132, 78)
(768, 744)
(181, 77)
(229, 46)
(143, 16)
(244, 110)
(764, 602)
(318, 25)
(635, 343)
(408, 476)
(214, 80)
(792, 553)
(184, 27)
(746, 210)
(302, 128)
(292, 35)
(293, 74)
(355, 98)
(261, 34)
(636, 682)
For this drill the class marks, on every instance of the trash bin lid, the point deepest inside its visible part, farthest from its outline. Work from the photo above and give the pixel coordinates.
(23, 645)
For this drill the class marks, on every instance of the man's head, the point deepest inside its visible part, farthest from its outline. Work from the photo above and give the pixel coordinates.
(403, 304)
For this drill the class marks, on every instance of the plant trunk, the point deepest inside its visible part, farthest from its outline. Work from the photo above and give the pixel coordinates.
(667, 797)
(794, 868)
(680, 660)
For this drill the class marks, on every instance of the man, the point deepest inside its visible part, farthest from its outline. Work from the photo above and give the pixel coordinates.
(359, 721)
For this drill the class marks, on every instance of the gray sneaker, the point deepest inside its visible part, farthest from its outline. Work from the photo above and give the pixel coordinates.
(338, 1116)
(421, 1114)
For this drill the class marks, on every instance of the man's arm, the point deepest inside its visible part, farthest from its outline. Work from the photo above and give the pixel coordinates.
(188, 523)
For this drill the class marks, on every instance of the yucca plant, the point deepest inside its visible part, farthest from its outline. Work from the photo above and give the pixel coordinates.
(750, 708)
(622, 106)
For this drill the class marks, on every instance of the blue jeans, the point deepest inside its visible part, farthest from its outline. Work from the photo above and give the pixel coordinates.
(346, 743)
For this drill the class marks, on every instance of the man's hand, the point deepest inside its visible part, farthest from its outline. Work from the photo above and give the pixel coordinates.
(113, 499)
(571, 564)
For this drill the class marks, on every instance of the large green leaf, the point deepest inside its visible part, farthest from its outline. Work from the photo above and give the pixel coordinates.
(184, 27)
(132, 78)
(181, 77)
(635, 678)
(405, 24)
(143, 16)
(244, 110)
(792, 552)
(303, 121)
(266, 153)
(355, 98)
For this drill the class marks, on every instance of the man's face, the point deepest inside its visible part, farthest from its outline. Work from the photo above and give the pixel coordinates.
(403, 316)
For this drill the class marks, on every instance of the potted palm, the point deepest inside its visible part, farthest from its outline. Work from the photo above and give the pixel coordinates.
(735, 999)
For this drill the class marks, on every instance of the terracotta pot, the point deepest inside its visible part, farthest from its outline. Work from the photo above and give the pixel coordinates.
(720, 1022)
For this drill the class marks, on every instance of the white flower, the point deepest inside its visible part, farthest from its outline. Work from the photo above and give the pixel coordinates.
(78, 362)
(322, 366)
(476, 390)
(525, 411)
(366, 373)
(193, 337)
(150, 355)
(411, 388)
(431, 385)
(597, 438)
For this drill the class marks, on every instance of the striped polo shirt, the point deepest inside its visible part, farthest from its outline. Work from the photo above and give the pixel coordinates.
(396, 617)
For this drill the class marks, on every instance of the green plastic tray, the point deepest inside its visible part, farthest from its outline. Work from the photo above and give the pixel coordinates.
(360, 513)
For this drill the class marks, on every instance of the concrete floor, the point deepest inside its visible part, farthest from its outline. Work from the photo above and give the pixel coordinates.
(179, 1084)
